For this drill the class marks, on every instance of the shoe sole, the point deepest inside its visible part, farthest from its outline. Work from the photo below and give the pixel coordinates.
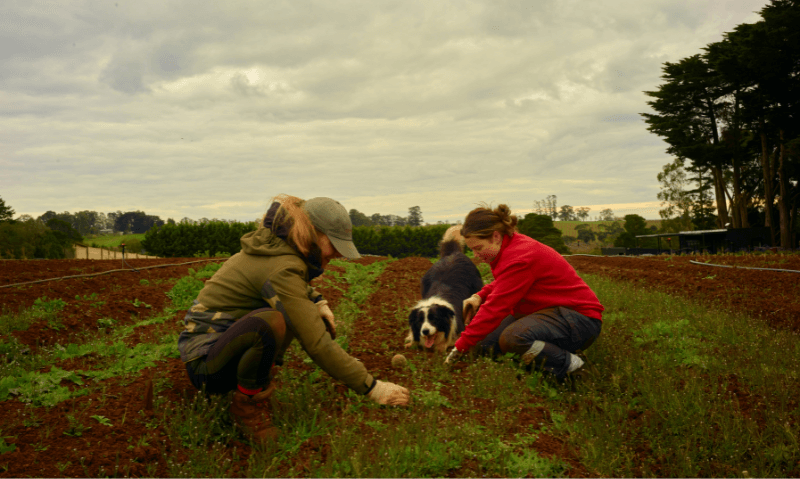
(535, 349)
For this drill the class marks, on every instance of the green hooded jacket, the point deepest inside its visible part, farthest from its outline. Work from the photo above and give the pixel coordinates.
(268, 272)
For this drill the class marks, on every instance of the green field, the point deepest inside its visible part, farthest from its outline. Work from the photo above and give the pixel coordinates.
(111, 241)
(568, 227)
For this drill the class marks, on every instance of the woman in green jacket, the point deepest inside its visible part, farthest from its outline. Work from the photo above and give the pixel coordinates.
(248, 313)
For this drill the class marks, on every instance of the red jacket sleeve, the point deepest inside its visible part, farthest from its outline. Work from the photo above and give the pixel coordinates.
(508, 289)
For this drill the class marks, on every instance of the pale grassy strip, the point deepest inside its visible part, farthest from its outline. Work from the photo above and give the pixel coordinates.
(112, 241)
(568, 227)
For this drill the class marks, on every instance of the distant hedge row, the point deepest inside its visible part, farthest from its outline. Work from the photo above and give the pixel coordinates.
(219, 237)
(399, 241)
(32, 239)
(184, 240)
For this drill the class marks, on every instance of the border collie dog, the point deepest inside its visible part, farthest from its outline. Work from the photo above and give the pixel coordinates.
(436, 321)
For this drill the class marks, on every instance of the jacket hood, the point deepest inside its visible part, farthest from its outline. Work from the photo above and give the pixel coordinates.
(270, 240)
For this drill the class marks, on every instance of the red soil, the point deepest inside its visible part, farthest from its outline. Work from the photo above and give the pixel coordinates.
(130, 447)
(771, 295)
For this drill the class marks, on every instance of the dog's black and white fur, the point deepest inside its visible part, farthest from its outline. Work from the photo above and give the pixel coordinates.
(436, 321)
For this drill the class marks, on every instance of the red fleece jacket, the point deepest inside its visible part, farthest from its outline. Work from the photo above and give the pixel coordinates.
(528, 277)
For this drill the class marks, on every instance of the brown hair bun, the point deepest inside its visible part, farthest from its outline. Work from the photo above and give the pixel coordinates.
(483, 221)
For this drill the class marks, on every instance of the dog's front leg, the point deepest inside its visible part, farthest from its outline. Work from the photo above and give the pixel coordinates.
(409, 341)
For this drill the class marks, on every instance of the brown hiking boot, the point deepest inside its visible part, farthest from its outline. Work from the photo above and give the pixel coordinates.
(252, 414)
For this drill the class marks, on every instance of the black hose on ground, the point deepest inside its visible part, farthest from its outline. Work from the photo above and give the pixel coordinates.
(110, 271)
(693, 262)
(744, 267)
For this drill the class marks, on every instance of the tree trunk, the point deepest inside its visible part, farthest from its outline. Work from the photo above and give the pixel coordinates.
(740, 201)
(783, 200)
(769, 193)
(719, 179)
(719, 191)
(738, 205)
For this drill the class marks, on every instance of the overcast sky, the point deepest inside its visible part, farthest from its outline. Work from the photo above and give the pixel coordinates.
(209, 109)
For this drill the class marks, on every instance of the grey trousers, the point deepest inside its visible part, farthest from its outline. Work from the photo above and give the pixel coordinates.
(562, 330)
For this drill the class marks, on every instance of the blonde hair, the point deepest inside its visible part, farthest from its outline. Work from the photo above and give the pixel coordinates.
(302, 234)
(483, 221)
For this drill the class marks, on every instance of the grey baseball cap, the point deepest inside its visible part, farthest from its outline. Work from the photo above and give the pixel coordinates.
(330, 217)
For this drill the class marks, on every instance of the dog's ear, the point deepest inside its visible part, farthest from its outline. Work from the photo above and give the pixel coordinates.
(414, 322)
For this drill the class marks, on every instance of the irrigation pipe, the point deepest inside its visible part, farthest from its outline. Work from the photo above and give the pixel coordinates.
(694, 262)
(109, 271)
(744, 267)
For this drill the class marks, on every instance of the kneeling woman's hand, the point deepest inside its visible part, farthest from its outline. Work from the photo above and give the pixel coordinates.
(470, 308)
(327, 316)
(453, 358)
(389, 394)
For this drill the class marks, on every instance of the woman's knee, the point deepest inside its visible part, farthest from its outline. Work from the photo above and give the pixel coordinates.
(514, 340)
(276, 324)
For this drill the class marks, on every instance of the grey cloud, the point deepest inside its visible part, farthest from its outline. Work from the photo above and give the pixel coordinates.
(125, 75)
(440, 104)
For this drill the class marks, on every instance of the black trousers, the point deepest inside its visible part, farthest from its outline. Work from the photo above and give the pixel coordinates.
(242, 356)
(563, 331)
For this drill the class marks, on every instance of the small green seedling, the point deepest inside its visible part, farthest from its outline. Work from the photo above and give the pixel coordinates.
(102, 420)
(138, 303)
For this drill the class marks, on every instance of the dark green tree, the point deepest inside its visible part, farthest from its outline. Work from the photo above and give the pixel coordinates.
(688, 107)
(64, 227)
(6, 212)
(541, 228)
(414, 216)
(566, 213)
(634, 226)
(137, 222)
(585, 233)
(86, 222)
(606, 215)
(609, 232)
(359, 219)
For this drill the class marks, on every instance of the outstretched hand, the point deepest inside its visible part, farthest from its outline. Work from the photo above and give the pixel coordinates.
(327, 316)
(453, 358)
(470, 308)
(389, 394)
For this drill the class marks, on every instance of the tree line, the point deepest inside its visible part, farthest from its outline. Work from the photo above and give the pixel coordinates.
(729, 116)
(52, 235)
(549, 207)
(29, 238)
(414, 218)
(88, 223)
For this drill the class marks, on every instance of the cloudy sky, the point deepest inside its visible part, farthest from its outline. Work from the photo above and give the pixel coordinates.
(208, 109)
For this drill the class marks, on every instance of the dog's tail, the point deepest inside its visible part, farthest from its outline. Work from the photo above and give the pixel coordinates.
(452, 242)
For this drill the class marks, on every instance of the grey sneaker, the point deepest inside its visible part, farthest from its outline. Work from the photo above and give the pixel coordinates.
(575, 363)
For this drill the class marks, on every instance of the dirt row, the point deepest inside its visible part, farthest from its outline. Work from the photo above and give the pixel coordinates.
(134, 444)
(768, 293)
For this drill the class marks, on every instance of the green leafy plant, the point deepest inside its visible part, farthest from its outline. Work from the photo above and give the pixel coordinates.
(76, 428)
(6, 447)
(432, 398)
(102, 420)
(139, 304)
(48, 305)
(106, 322)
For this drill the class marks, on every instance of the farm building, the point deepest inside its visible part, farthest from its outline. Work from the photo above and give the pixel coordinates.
(706, 241)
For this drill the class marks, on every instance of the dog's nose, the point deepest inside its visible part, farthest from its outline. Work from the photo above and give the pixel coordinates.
(426, 332)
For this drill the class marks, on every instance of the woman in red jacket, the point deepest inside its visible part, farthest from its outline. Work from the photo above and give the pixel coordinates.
(537, 306)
